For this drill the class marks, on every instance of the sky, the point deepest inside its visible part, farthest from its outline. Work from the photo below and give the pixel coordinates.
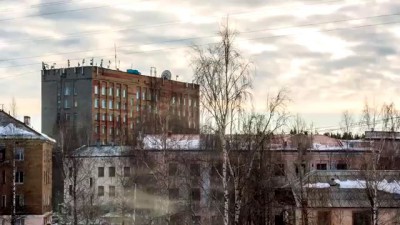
(331, 55)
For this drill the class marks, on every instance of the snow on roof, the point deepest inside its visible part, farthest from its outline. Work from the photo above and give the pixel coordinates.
(173, 142)
(103, 150)
(383, 185)
(10, 131)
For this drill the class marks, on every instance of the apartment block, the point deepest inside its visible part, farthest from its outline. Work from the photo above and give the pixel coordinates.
(25, 173)
(92, 105)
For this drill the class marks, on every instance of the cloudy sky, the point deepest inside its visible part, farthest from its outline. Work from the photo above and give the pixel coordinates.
(331, 54)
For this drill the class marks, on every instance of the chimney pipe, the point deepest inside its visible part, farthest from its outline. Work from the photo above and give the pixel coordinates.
(27, 120)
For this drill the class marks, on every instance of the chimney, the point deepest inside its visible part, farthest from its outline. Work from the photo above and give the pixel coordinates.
(27, 120)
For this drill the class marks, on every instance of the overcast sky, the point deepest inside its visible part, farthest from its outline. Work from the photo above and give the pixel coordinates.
(330, 54)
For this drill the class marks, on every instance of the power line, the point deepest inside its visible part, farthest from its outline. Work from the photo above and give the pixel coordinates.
(212, 36)
(78, 34)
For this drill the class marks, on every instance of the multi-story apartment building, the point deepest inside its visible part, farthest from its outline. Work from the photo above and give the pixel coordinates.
(97, 105)
(25, 173)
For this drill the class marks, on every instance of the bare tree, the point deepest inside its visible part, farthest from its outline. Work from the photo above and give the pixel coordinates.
(224, 79)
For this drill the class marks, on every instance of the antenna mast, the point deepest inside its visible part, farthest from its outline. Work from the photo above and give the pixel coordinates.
(115, 55)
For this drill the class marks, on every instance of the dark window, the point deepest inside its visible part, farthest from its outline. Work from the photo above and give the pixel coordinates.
(216, 170)
(19, 177)
(195, 170)
(172, 169)
(19, 200)
(100, 191)
(302, 169)
(2, 153)
(3, 201)
(127, 171)
(70, 172)
(279, 220)
(70, 189)
(100, 171)
(196, 220)
(341, 166)
(321, 166)
(324, 218)
(90, 182)
(19, 154)
(279, 170)
(361, 218)
(111, 191)
(195, 193)
(173, 193)
(111, 171)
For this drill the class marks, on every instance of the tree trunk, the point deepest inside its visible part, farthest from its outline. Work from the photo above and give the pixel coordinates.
(238, 202)
(225, 178)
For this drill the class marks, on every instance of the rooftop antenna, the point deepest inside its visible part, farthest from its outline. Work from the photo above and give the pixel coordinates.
(119, 64)
(153, 71)
(115, 55)
(91, 62)
(2, 107)
(69, 63)
(79, 64)
(109, 64)
(177, 77)
(44, 66)
(101, 63)
(83, 62)
(53, 66)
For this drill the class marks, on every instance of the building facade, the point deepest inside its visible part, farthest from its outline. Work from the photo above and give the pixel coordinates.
(97, 105)
(25, 173)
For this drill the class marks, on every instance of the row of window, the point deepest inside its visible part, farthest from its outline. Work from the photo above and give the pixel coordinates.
(111, 104)
(19, 153)
(67, 103)
(358, 217)
(110, 91)
(19, 200)
(111, 171)
(189, 101)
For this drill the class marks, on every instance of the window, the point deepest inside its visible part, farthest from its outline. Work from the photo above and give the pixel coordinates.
(341, 166)
(362, 218)
(70, 172)
(138, 94)
(103, 104)
(100, 171)
(173, 99)
(103, 131)
(19, 200)
(96, 103)
(19, 154)
(118, 92)
(302, 168)
(110, 104)
(111, 171)
(118, 105)
(195, 170)
(103, 90)
(19, 177)
(20, 221)
(3, 201)
(196, 220)
(111, 130)
(66, 104)
(110, 91)
(173, 193)
(67, 117)
(103, 117)
(111, 117)
(124, 93)
(111, 191)
(321, 166)
(172, 169)
(67, 91)
(100, 190)
(324, 218)
(127, 171)
(96, 89)
(90, 182)
(75, 103)
(279, 169)
(195, 194)
(144, 95)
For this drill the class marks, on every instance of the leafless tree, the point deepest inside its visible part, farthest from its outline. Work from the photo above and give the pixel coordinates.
(13, 107)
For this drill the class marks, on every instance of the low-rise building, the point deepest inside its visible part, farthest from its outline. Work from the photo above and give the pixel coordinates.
(25, 173)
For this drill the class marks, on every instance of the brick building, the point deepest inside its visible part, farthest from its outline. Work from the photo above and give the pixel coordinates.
(26, 164)
(97, 105)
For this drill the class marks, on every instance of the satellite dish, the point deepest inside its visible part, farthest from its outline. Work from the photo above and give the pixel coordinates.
(166, 74)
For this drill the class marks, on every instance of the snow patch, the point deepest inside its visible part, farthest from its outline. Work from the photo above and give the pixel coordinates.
(12, 130)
